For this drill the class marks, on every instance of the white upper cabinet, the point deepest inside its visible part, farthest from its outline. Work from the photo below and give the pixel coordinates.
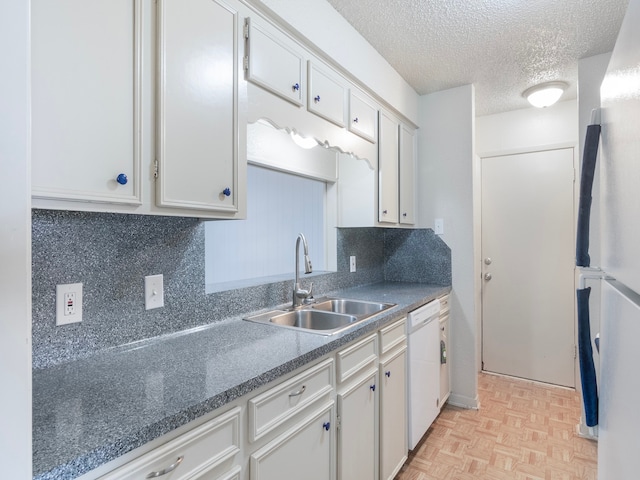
(86, 100)
(363, 116)
(396, 171)
(326, 94)
(387, 169)
(407, 175)
(272, 63)
(199, 166)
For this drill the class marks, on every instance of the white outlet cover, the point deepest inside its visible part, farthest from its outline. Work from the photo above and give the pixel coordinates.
(352, 263)
(438, 226)
(61, 318)
(153, 292)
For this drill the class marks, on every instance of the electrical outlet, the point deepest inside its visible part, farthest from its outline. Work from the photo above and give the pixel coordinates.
(68, 303)
(352, 263)
(153, 292)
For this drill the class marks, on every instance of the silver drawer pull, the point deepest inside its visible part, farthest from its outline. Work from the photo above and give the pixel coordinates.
(299, 392)
(170, 468)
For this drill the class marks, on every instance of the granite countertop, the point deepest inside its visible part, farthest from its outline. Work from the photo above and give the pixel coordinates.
(91, 411)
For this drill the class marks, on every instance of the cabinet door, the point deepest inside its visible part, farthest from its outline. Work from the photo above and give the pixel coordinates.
(305, 451)
(198, 128)
(393, 414)
(86, 102)
(272, 63)
(356, 432)
(363, 116)
(387, 169)
(326, 95)
(407, 175)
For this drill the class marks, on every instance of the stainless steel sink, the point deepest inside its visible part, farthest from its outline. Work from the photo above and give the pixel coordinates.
(327, 316)
(313, 319)
(351, 307)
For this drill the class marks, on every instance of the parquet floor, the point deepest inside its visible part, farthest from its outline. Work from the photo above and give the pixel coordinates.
(523, 431)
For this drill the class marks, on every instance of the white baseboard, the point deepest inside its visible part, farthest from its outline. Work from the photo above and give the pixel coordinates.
(464, 401)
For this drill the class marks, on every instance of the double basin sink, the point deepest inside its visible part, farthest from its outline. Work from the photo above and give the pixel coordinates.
(327, 316)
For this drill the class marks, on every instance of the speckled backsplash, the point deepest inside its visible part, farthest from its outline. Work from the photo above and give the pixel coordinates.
(110, 254)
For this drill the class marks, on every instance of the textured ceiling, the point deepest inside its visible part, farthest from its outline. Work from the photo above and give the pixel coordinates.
(501, 46)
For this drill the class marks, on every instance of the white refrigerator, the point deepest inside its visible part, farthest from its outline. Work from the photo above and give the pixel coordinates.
(619, 389)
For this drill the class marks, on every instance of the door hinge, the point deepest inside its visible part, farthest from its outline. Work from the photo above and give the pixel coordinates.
(246, 28)
(155, 169)
(246, 63)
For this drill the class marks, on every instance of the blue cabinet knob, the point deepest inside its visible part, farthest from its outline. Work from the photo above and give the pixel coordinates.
(316, 98)
(372, 387)
(355, 120)
(226, 192)
(122, 179)
(326, 425)
(296, 87)
(388, 373)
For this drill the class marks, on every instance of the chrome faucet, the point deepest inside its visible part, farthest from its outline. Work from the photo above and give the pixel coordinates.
(300, 295)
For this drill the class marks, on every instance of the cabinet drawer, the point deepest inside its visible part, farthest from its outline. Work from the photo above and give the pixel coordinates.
(353, 359)
(392, 335)
(191, 455)
(270, 409)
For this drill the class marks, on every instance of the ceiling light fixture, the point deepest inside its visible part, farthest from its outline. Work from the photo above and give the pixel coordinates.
(545, 94)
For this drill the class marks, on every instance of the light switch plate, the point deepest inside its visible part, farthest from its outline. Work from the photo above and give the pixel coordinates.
(438, 227)
(68, 303)
(153, 292)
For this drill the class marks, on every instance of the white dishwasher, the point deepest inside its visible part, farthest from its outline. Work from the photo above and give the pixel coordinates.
(423, 337)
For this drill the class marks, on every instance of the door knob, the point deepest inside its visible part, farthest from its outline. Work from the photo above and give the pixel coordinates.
(487, 276)
(487, 261)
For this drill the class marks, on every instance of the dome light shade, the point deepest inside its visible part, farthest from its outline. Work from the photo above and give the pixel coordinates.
(545, 94)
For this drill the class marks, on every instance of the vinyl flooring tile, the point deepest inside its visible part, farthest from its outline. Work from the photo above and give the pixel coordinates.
(523, 431)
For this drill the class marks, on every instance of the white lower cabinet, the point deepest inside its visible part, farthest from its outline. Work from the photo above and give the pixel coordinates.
(393, 399)
(304, 451)
(205, 453)
(356, 429)
(357, 410)
(393, 413)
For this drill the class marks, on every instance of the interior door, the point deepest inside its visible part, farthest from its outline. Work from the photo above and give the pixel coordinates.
(527, 266)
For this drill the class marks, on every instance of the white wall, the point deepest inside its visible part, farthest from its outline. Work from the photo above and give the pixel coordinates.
(319, 22)
(527, 128)
(15, 242)
(446, 189)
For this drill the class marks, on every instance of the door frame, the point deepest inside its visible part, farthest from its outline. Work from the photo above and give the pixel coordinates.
(576, 196)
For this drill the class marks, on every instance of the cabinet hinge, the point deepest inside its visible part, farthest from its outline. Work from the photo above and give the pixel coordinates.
(246, 63)
(575, 352)
(246, 28)
(338, 422)
(155, 169)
